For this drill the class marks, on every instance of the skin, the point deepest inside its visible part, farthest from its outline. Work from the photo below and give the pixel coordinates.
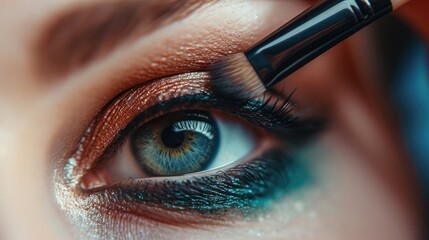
(365, 189)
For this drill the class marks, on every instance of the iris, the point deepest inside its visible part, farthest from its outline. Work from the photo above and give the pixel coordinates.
(176, 144)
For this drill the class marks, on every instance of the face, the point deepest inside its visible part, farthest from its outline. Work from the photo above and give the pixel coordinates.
(110, 130)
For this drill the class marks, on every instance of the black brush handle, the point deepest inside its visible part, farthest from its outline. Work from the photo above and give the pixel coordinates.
(310, 34)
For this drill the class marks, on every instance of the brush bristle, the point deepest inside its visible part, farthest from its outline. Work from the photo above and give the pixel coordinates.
(234, 77)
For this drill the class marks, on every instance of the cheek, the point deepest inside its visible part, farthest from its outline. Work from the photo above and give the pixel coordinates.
(343, 198)
(367, 174)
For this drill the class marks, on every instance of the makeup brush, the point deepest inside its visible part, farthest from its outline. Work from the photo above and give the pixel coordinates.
(249, 74)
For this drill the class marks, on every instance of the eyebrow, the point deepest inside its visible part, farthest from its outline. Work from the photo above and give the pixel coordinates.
(81, 35)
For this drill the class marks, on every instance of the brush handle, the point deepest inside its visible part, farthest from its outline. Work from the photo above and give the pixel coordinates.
(311, 34)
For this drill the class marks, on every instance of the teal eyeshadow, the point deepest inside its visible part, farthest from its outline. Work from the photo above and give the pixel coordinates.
(244, 187)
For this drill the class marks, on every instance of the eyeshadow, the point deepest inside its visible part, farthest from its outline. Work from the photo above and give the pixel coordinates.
(237, 190)
(242, 187)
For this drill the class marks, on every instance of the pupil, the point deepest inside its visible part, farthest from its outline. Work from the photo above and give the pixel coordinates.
(171, 138)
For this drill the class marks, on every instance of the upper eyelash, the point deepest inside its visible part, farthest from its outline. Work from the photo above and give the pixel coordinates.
(270, 112)
(258, 112)
(283, 105)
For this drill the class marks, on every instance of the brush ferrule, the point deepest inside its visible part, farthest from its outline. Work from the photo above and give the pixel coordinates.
(310, 34)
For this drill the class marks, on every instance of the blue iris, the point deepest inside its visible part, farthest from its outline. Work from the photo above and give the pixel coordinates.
(177, 143)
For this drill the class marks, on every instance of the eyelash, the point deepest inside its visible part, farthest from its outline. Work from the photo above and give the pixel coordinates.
(271, 112)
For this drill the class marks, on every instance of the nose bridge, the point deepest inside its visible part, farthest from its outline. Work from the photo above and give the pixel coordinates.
(26, 207)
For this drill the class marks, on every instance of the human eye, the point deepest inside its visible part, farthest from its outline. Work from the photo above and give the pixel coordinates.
(173, 152)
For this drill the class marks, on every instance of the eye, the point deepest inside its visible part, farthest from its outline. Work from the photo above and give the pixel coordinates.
(179, 143)
(173, 145)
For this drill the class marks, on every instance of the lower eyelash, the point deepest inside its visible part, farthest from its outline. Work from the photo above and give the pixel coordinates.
(243, 187)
